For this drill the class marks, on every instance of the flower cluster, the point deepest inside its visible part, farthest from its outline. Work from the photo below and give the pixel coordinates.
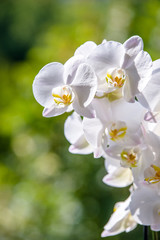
(114, 90)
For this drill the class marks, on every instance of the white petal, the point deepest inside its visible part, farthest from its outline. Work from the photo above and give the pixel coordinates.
(105, 56)
(85, 84)
(104, 41)
(111, 164)
(70, 68)
(139, 73)
(86, 48)
(154, 141)
(93, 130)
(103, 109)
(119, 229)
(113, 151)
(132, 47)
(146, 159)
(74, 133)
(155, 227)
(130, 89)
(120, 221)
(88, 111)
(98, 152)
(124, 111)
(50, 76)
(126, 225)
(145, 205)
(54, 111)
(81, 146)
(151, 92)
(73, 129)
(121, 211)
(143, 63)
(121, 177)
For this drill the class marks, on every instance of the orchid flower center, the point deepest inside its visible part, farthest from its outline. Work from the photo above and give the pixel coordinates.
(117, 131)
(63, 95)
(156, 175)
(116, 78)
(129, 158)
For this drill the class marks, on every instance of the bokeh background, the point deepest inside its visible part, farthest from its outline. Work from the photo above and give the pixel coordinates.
(46, 193)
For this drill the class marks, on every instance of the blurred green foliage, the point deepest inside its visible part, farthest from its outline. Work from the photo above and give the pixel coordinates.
(46, 193)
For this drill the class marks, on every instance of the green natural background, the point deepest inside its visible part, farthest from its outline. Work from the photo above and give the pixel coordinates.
(46, 193)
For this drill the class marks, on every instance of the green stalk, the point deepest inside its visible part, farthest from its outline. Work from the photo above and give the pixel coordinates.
(145, 233)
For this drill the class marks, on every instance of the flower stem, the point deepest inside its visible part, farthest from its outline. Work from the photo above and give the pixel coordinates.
(154, 235)
(145, 232)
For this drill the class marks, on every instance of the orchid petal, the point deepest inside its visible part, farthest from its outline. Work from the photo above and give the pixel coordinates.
(98, 152)
(70, 68)
(88, 111)
(152, 90)
(81, 146)
(132, 47)
(155, 227)
(85, 84)
(120, 220)
(49, 77)
(93, 130)
(143, 63)
(139, 73)
(124, 111)
(130, 87)
(74, 133)
(105, 56)
(145, 205)
(85, 49)
(121, 177)
(73, 129)
(103, 109)
(54, 111)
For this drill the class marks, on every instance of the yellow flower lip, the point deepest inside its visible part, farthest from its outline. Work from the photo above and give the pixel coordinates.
(116, 78)
(129, 158)
(117, 131)
(66, 99)
(117, 134)
(156, 177)
(63, 95)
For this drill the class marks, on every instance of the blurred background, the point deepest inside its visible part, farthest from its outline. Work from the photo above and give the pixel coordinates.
(46, 193)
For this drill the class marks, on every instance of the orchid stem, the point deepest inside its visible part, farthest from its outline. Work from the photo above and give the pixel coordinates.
(155, 235)
(145, 232)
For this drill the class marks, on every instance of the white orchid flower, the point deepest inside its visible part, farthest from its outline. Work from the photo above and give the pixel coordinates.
(145, 206)
(128, 157)
(117, 176)
(122, 69)
(140, 157)
(148, 167)
(115, 124)
(73, 132)
(144, 162)
(120, 221)
(61, 88)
